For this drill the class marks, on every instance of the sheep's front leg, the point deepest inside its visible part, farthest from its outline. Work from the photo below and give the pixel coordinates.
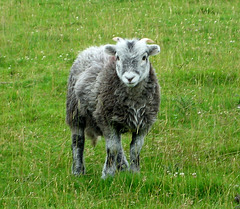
(78, 141)
(135, 148)
(113, 147)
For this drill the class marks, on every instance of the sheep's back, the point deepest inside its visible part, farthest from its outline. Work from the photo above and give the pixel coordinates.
(82, 79)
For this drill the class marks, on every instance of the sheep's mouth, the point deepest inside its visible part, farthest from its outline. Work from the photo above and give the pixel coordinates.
(129, 84)
(130, 79)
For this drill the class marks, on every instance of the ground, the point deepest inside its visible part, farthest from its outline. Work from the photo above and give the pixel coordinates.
(191, 155)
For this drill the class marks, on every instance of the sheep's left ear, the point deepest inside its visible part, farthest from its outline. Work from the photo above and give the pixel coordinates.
(153, 49)
(110, 49)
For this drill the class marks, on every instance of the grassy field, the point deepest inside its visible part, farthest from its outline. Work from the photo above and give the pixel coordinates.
(191, 157)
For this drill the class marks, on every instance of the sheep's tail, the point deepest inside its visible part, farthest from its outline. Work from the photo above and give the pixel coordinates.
(92, 135)
(72, 103)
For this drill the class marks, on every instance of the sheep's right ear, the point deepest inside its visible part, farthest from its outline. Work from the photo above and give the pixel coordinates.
(110, 49)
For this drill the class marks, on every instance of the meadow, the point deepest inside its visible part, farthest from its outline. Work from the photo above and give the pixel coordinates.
(191, 157)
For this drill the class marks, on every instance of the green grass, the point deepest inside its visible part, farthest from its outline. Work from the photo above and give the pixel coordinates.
(191, 156)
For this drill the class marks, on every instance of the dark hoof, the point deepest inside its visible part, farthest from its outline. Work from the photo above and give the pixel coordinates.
(122, 167)
(78, 171)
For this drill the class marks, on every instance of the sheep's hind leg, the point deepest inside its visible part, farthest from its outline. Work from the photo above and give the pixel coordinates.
(122, 163)
(78, 140)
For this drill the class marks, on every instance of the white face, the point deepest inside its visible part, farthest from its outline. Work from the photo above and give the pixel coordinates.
(132, 60)
(132, 70)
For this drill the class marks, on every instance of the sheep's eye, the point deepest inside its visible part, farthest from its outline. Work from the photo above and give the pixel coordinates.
(117, 58)
(144, 58)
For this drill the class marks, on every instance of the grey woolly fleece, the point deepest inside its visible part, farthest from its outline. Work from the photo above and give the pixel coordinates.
(99, 99)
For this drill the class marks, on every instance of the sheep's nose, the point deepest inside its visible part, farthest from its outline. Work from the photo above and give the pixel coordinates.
(130, 79)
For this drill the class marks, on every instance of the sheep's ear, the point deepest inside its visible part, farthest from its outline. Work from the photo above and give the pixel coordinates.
(153, 49)
(110, 49)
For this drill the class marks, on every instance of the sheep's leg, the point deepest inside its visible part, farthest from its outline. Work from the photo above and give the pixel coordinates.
(78, 141)
(113, 147)
(122, 163)
(135, 148)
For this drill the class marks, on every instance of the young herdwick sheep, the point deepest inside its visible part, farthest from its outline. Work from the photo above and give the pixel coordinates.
(112, 89)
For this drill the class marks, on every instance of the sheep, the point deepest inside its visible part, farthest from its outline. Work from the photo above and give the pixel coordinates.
(112, 89)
